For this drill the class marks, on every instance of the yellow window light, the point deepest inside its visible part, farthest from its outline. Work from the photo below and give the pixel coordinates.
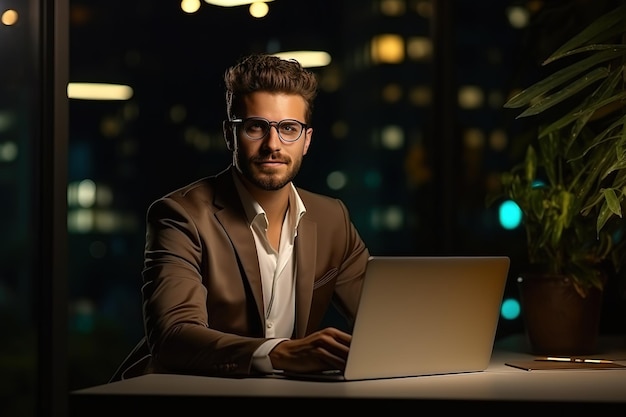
(387, 49)
(307, 59)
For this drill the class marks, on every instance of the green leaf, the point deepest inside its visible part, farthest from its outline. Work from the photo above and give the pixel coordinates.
(587, 209)
(605, 27)
(617, 48)
(530, 164)
(612, 201)
(549, 152)
(605, 136)
(560, 77)
(566, 92)
(603, 217)
(594, 172)
(562, 122)
(617, 166)
(604, 95)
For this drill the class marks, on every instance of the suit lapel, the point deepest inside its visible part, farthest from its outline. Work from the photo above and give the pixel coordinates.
(233, 219)
(306, 244)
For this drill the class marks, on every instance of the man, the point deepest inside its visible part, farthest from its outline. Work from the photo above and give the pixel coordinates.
(241, 267)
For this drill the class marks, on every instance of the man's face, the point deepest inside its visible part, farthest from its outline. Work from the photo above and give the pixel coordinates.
(269, 163)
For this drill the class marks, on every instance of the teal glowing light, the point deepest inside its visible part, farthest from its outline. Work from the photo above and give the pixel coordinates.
(510, 309)
(538, 184)
(510, 215)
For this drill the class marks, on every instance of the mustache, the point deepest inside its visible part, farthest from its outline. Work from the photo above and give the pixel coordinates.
(270, 158)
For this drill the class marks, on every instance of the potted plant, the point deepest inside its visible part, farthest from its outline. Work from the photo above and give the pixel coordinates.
(571, 185)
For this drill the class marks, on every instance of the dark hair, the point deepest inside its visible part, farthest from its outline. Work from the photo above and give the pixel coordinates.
(261, 72)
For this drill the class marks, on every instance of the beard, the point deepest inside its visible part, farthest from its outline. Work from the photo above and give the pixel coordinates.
(268, 179)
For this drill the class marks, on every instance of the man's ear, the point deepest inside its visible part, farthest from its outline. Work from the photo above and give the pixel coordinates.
(308, 136)
(229, 135)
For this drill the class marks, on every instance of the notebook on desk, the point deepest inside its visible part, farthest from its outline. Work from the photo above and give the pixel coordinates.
(424, 316)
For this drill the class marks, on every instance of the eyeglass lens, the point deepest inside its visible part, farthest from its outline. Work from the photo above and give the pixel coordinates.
(288, 130)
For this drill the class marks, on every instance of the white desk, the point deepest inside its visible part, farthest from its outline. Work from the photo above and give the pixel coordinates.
(500, 387)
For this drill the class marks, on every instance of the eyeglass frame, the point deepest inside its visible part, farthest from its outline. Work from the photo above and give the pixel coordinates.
(271, 124)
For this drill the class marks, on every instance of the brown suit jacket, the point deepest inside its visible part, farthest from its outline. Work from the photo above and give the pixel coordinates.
(202, 296)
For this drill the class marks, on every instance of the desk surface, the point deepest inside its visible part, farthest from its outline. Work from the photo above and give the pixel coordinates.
(498, 386)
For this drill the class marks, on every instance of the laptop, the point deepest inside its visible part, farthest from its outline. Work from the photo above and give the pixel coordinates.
(424, 316)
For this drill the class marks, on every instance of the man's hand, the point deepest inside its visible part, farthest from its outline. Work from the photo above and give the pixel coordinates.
(323, 350)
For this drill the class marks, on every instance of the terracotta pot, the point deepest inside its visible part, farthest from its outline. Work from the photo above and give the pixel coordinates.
(558, 321)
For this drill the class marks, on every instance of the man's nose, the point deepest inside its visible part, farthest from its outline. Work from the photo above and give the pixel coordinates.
(272, 140)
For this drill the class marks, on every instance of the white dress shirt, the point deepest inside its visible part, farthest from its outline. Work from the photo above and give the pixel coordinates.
(277, 271)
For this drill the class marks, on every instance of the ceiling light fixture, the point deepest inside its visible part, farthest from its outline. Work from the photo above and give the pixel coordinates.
(233, 3)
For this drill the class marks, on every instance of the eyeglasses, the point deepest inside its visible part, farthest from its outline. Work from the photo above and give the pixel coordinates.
(256, 128)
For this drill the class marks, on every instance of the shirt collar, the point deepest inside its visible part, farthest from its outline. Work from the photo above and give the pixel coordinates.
(253, 209)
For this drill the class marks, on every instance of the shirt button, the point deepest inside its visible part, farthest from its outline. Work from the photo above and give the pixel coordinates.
(270, 324)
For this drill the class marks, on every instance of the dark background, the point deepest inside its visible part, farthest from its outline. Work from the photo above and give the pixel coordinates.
(425, 197)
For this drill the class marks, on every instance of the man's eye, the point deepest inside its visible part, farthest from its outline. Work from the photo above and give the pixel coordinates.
(256, 125)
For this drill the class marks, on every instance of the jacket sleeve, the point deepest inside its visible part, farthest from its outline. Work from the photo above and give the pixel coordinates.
(175, 300)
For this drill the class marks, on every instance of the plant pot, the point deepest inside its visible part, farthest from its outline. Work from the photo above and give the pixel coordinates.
(558, 320)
